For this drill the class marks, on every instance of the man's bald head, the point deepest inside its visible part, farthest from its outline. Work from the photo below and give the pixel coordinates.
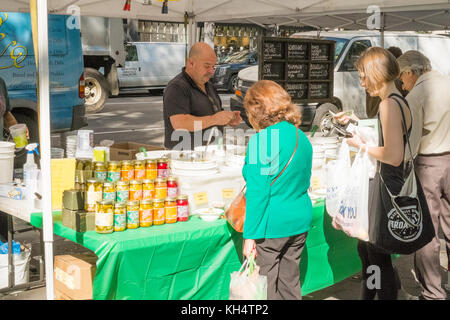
(200, 63)
(201, 49)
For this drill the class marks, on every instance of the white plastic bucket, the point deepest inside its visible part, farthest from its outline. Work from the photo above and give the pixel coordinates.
(21, 266)
(6, 146)
(6, 165)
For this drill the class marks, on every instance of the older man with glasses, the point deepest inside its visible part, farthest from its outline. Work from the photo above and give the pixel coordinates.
(429, 100)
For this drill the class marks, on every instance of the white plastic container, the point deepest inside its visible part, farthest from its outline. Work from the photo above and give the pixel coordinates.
(7, 167)
(21, 268)
(6, 146)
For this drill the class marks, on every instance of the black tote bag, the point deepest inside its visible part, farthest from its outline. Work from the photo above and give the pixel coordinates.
(399, 223)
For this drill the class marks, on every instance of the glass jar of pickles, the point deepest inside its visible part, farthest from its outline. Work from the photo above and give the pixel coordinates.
(139, 170)
(170, 210)
(163, 168)
(132, 214)
(146, 213)
(94, 193)
(120, 216)
(172, 187)
(158, 212)
(113, 171)
(160, 188)
(135, 190)
(122, 191)
(148, 189)
(151, 170)
(109, 191)
(182, 208)
(104, 217)
(100, 171)
(127, 170)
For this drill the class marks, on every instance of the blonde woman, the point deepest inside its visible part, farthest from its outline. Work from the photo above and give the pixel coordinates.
(378, 69)
(277, 171)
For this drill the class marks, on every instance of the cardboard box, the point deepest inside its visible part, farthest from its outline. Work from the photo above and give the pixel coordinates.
(61, 296)
(127, 150)
(74, 274)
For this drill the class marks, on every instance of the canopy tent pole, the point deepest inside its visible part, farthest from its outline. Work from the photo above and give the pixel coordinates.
(44, 129)
(382, 29)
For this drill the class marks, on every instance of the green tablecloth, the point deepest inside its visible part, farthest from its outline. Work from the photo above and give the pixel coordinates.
(194, 259)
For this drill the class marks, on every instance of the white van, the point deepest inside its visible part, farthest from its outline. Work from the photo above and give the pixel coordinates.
(348, 93)
(151, 65)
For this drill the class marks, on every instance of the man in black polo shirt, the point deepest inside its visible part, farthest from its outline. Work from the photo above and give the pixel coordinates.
(191, 104)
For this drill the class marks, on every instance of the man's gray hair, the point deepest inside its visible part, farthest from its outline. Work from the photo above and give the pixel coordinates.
(415, 62)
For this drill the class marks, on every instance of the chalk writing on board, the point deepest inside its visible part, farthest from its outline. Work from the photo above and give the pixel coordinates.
(299, 51)
(318, 90)
(297, 90)
(297, 71)
(319, 52)
(319, 71)
(272, 71)
(273, 50)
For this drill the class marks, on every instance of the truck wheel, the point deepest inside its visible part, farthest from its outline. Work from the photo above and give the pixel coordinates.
(232, 84)
(96, 90)
(323, 117)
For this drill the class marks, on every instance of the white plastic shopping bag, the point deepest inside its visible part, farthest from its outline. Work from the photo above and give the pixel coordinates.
(370, 137)
(336, 171)
(353, 197)
(247, 283)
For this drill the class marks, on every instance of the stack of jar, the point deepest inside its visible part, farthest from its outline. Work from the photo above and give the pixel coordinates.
(134, 194)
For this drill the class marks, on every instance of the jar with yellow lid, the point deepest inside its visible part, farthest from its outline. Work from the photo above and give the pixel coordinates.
(120, 216)
(100, 171)
(170, 210)
(139, 170)
(127, 170)
(151, 170)
(109, 191)
(94, 193)
(148, 189)
(113, 171)
(135, 190)
(146, 213)
(122, 191)
(132, 214)
(160, 188)
(104, 217)
(158, 212)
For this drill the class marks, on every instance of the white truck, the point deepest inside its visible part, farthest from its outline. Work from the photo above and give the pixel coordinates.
(113, 66)
(348, 93)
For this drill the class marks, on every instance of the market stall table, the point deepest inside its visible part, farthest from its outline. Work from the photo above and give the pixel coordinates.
(194, 259)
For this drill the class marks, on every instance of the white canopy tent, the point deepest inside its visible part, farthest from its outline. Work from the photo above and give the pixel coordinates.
(350, 14)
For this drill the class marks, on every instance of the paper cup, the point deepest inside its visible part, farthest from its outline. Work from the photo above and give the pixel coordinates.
(19, 134)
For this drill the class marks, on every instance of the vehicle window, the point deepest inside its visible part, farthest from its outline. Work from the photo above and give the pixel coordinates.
(131, 53)
(353, 54)
(340, 45)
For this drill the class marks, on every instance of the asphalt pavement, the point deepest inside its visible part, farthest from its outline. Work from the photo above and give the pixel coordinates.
(138, 117)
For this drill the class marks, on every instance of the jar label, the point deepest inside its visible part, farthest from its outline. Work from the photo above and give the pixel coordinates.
(127, 175)
(146, 215)
(101, 175)
(172, 192)
(104, 219)
(93, 197)
(182, 211)
(120, 220)
(139, 174)
(159, 215)
(151, 174)
(109, 196)
(133, 217)
(122, 196)
(148, 194)
(163, 173)
(161, 193)
(135, 195)
(113, 176)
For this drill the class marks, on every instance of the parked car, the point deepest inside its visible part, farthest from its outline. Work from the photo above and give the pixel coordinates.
(18, 69)
(225, 74)
(348, 94)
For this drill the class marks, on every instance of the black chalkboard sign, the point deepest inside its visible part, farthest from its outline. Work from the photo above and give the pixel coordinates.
(273, 71)
(297, 90)
(298, 51)
(319, 90)
(319, 71)
(273, 50)
(297, 71)
(303, 66)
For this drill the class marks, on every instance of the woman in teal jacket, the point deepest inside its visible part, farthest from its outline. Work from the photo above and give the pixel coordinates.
(278, 215)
